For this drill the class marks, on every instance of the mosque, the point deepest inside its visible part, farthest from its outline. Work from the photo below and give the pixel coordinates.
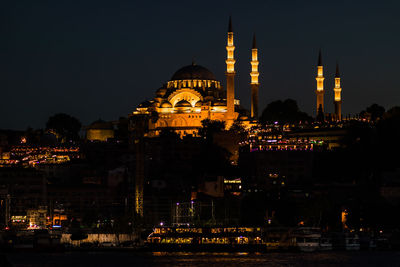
(194, 94)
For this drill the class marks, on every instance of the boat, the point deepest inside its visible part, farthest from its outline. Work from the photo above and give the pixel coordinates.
(278, 238)
(352, 242)
(206, 239)
(308, 243)
(307, 239)
(37, 240)
(325, 243)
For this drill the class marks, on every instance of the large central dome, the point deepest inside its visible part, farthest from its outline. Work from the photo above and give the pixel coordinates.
(193, 72)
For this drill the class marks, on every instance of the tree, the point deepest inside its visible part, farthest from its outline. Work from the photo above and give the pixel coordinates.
(375, 112)
(168, 132)
(284, 112)
(394, 112)
(237, 127)
(388, 129)
(237, 132)
(64, 126)
(320, 114)
(210, 127)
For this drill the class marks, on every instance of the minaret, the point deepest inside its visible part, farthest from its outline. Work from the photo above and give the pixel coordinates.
(230, 78)
(320, 85)
(254, 84)
(338, 98)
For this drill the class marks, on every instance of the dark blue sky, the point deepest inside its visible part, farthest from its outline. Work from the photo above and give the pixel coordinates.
(99, 59)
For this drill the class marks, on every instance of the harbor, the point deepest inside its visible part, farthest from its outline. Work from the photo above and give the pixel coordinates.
(203, 239)
(258, 239)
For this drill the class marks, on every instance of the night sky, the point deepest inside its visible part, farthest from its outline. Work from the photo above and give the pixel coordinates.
(100, 59)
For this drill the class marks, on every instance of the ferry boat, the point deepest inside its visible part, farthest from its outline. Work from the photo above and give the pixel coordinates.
(220, 239)
(206, 238)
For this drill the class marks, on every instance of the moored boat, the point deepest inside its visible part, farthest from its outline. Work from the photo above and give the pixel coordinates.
(325, 243)
(352, 242)
(308, 243)
(307, 238)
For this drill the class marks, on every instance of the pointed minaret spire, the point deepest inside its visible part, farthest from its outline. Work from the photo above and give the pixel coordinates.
(320, 58)
(337, 75)
(254, 84)
(254, 41)
(320, 86)
(338, 98)
(230, 78)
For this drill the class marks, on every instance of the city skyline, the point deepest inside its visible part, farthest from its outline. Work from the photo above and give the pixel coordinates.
(102, 61)
(164, 133)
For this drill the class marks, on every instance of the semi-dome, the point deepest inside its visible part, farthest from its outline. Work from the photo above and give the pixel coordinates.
(193, 72)
(183, 103)
(166, 104)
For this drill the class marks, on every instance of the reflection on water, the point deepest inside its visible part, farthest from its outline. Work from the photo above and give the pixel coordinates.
(187, 259)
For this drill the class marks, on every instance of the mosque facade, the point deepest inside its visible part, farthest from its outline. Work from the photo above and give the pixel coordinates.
(194, 94)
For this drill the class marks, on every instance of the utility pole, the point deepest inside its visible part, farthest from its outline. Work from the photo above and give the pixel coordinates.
(8, 211)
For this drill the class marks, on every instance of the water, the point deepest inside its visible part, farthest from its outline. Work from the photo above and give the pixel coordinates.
(177, 259)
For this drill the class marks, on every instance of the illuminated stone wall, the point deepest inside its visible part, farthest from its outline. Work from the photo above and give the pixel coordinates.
(100, 238)
(99, 134)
